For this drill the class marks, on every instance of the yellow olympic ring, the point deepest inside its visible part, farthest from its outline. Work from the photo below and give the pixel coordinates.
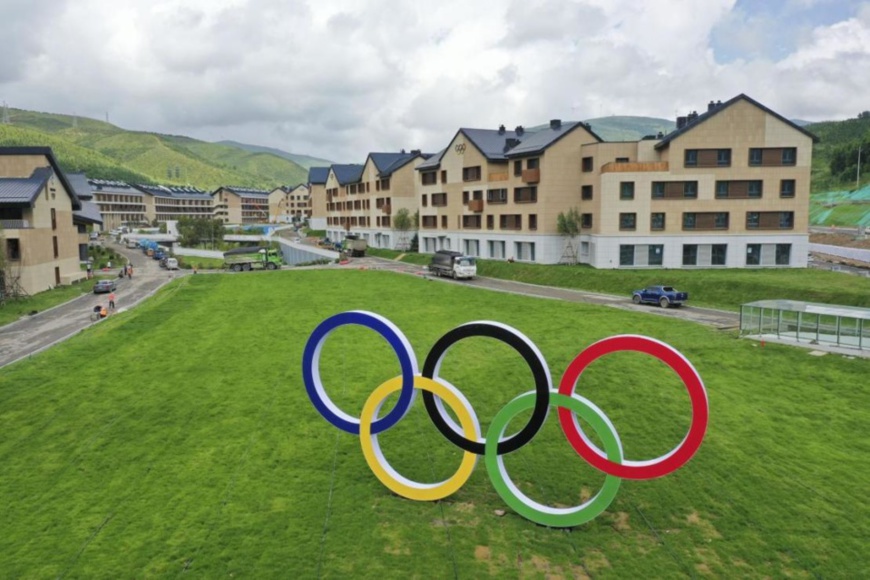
(397, 483)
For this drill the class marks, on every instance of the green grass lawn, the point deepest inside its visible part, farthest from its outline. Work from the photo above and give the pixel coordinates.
(178, 437)
(725, 289)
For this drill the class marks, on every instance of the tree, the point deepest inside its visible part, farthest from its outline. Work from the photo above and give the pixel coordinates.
(403, 223)
(568, 225)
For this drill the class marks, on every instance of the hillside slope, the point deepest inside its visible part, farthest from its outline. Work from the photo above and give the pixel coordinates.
(302, 160)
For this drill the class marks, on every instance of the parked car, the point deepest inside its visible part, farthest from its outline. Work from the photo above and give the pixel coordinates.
(171, 264)
(104, 286)
(664, 296)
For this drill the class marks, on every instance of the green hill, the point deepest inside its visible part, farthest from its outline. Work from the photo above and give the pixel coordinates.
(302, 160)
(628, 128)
(835, 157)
(106, 151)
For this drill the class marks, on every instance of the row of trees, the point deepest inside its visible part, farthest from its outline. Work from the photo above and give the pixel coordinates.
(844, 160)
(192, 232)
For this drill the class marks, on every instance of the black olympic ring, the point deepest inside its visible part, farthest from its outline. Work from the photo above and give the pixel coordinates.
(530, 354)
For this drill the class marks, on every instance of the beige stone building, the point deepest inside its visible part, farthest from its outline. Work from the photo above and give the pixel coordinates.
(364, 199)
(241, 205)
(728, 188)
(120, 203)
(168, 203)
(317, 177)
(497, 193)
(39, 236)
(289, 204)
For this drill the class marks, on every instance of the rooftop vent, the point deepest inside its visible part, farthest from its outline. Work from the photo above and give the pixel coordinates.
(681, 122)
(501, 129)
(519, 130)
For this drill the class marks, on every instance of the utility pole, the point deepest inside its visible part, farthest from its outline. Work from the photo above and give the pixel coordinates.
(858, 170)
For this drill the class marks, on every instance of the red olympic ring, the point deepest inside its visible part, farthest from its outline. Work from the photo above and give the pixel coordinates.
(647, 469)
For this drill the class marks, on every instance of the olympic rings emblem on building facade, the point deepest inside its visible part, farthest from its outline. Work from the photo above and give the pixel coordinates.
(494, 445)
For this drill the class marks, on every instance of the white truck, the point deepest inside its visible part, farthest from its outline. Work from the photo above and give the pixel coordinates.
(453, 264)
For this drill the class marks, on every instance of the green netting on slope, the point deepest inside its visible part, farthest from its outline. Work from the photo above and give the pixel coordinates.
(819, 216)
(862, 194)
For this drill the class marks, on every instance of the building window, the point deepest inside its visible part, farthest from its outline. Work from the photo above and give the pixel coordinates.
(722, 189)
(783, 254)
(655, 255)
(511, 222)
(444, 222)
(626, 190)
(690, 254)
(533, 221)
(658, 189)
(443, 176)
(753, 220)
(533, 163)
(471, 222)
(518, 168)
(690, 189)
(754, 156)
(472, 247)
(586, 192)
(496, 249)
(587, 164)
(425, 200)
(465, 197)
(720, 220)
(584, 248)
(626, 255)
(53, 219)
(627, 221)
(430, 221)
(786, 188)
(718, 254)
(723, 157)
(586, 220)
(439, 199)
(657, 221)
(789, 156)
(525, 251)
(691, 158)
(54, 243)
(754, 188)
(490, 222)
(786, 220)
(689, 221)
(526, 194)
(496, 196)
(13, 249)
(753, 254)
(471, 173)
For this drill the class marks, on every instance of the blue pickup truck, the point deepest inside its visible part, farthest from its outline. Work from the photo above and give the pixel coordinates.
(664, 296)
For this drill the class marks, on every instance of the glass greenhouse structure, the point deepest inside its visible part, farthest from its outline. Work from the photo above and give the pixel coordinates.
(807, 322)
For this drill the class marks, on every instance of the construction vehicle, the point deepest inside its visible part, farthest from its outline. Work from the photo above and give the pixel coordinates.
(355, 246)
(251, 258)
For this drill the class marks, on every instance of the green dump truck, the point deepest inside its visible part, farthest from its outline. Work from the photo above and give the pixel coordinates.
(252, 257)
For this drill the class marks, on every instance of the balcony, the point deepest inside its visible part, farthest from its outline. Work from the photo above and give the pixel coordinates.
(615, 167)
(15, 224)
(475, 205)
(502, 176)
(387, 209)
(531, 175)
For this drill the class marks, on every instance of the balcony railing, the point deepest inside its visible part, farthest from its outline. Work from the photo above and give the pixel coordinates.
(15, 224)
(501, 176)
(475, 205)
(387, 208)
(622, 167)
(531, 175)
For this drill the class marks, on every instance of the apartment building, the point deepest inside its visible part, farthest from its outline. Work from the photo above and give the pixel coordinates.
(88, 217)
(120, 203)
(169, 202)
(289, 204)
(241, 205)
(39, 236)
(728, 188)
(344, 210)
(497, 193)
(317, 177)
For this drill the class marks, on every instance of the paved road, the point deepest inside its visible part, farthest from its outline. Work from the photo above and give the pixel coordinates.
(33, 334)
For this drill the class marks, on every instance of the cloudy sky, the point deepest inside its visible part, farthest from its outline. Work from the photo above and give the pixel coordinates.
(340, 78)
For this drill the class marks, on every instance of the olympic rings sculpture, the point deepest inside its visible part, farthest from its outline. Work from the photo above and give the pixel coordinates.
(494, 445)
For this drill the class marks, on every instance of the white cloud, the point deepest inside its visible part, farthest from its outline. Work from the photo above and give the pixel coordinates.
(340, 78)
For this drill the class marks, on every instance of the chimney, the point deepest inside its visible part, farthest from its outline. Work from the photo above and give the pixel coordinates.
(501, 129)
(555, 124)
(519, 130)
(681, 122)
(711, 105)
(416, 151)
(660, 135)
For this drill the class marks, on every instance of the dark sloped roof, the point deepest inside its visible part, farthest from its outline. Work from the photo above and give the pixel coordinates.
(23, 190)
(537, 142)
(384, 160)
(46, 151)
(174, 191)
(347, 173)
(318, 175)
(79, 183)
(719, 108)
(492, 143)
(113, 187)
(90, 213)
(432, 161)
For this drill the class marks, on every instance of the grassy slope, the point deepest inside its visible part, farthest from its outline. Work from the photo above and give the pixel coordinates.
(724, 289)
(303, 161)
(627, 128)
(197, 448)
(200, 164)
